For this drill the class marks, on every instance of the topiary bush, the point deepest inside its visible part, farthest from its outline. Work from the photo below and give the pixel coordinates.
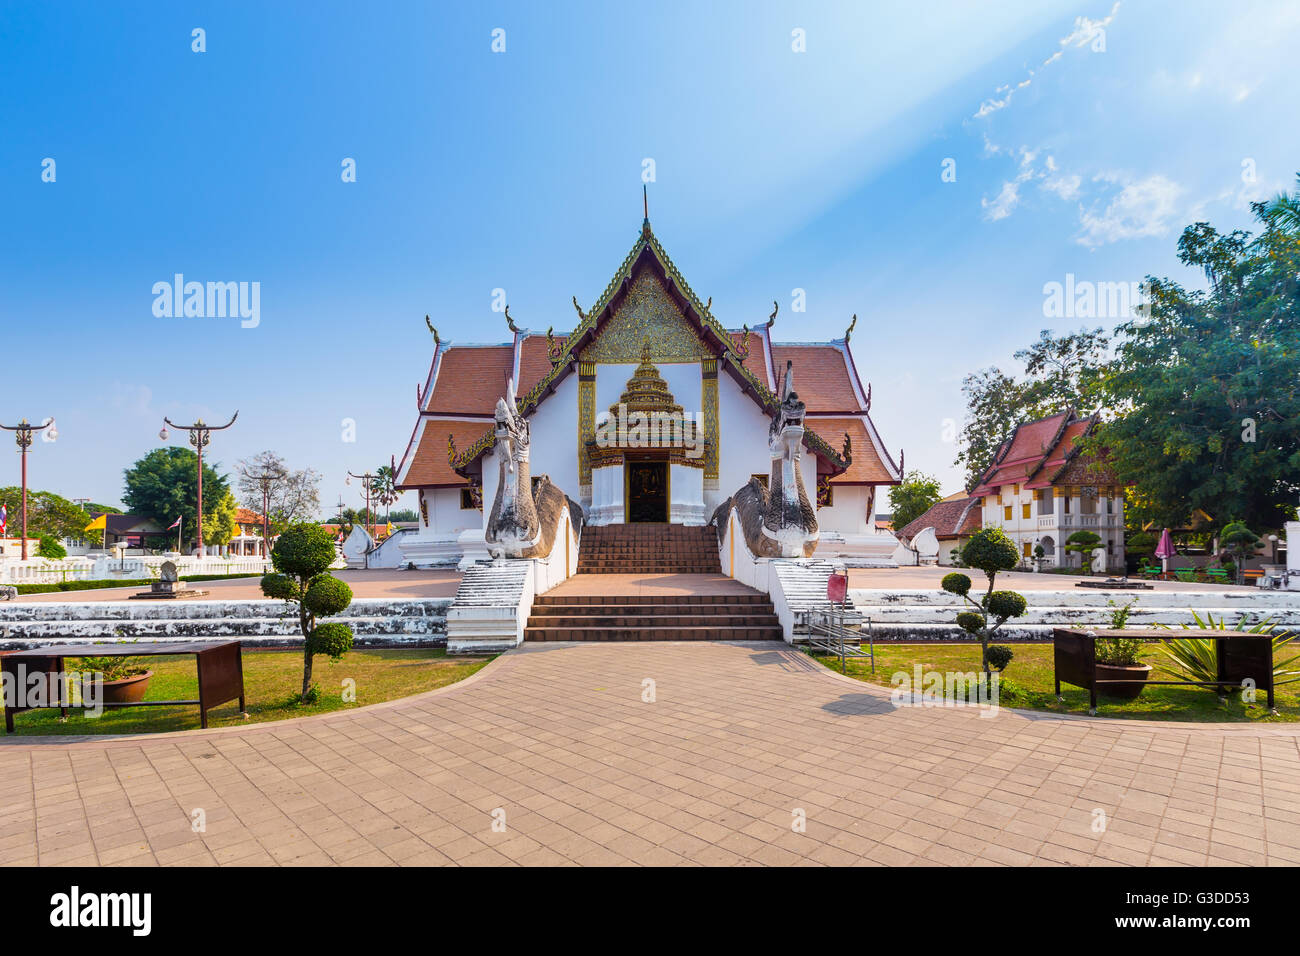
(999, 656)
(989, 550)
(1083, 543)
(301, 558)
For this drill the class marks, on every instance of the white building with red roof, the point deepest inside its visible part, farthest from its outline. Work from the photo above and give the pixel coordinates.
(648, 333)
(1040, 488)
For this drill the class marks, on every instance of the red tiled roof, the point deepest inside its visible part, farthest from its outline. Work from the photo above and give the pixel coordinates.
(950, 518)
(821, 376)
(430, 467)
(534, 362)
(1021, 454)
(471, 379)
(756, 361)
(866, 467)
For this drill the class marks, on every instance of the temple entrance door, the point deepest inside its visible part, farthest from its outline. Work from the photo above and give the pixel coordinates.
(647, 491)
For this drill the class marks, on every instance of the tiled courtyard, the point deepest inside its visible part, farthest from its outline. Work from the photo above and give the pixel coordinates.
(556, 744)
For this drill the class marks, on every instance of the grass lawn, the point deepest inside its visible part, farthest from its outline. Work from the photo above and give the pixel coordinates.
(270, 678)
(1028, 684)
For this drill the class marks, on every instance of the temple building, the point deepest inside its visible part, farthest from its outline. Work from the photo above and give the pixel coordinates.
(649, 410)
(1040, 488)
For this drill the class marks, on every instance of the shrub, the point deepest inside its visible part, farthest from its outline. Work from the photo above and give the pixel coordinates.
(301, 557)
(1083, 543)
(990, 550)
(1005, 604)
(999, 656)
(331, 638)
(1118, 651)
(1119, 613)
(956, 583)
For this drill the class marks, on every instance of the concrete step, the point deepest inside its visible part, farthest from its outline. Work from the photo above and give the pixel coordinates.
(771, 633)
(651, 620)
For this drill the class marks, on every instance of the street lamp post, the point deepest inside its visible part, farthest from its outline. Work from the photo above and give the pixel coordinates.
(23, 437)
(264, 479)
(368, 478)
(200, 435)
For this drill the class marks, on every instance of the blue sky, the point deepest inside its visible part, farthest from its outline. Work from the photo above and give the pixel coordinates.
(1084, 134)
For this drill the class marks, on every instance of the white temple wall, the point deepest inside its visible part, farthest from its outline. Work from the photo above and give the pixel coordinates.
(553, 442)
(848, 513)
(742, 444)
(445, 514)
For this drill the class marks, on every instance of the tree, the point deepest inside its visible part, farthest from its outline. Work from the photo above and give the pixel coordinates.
(220, 525)
(1205, 391)
(914, 497)
(51, 548)
(293, 498)
(404, 514)
(163, 485)
(1241, 541)
(1060, 372)
(1083, 543)
(48, 514)
(989, 550)
(301, 558)
(382, 488)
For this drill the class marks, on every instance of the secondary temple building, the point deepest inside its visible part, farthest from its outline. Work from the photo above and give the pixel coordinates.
(1040, 488)
(649, 411)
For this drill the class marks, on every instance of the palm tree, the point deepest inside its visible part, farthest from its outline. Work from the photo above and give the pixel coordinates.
(382, 488)
(1283, 210)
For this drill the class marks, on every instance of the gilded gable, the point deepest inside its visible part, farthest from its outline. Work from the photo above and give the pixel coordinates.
(647, 313)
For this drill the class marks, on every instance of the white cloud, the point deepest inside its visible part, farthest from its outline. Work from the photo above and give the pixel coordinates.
(1085, 30)
(1141, 209)
(1065, 186)
(1001, 206)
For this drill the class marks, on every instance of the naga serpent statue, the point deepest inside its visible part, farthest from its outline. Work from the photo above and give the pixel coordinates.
(778, 521)
(526, 511)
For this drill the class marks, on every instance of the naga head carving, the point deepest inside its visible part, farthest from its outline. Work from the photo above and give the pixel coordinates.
(512, 428)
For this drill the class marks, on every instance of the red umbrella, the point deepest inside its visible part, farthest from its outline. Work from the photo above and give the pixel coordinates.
(1165, 549)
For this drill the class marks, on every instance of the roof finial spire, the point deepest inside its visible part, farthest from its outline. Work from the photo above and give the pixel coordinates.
(645, 203)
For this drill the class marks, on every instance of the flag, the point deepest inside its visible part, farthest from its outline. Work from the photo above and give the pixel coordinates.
(99, 524)
(4, 520)
(174, 524)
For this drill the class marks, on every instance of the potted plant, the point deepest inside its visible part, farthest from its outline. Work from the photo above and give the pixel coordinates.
(1117, 660)
(125, 679)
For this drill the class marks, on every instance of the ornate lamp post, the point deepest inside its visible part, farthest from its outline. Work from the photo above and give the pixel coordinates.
(23, 437)
(368, 478)
(200, 435)
(264, 479)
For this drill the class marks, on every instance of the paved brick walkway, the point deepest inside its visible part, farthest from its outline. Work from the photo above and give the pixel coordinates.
(738, 741)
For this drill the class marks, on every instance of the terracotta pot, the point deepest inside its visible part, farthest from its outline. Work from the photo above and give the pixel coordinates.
(1138, 674)
(128, 690)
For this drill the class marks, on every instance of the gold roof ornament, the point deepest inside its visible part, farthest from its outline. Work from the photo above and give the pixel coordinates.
(436, 341)
(849, 330)
(771, 319)
(646, 389)
(509, 321)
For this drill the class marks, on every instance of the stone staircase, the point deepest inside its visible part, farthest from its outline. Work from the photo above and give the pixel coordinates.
(649, 549)
(672, 617)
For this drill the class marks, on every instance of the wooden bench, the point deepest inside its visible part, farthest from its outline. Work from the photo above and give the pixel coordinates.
(1240, 656)
(220, 667)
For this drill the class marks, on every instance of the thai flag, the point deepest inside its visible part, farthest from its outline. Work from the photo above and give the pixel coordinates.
(174, 524)
(4, 520)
